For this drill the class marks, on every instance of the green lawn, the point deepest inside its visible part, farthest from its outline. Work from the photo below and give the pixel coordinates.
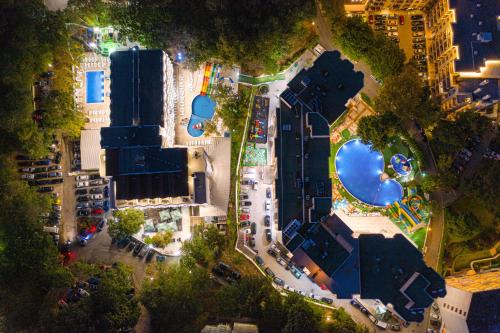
(419, 237)
(261, 79)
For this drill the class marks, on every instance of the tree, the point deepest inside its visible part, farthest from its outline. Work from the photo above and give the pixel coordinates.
(111, 308)
(125, 222)
(404, 96)
(160, 239)
(205, 245)
(300, 316)
(341, 322)
(174, 298)
(378, 130)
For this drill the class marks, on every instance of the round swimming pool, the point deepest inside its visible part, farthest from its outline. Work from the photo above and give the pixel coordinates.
(202, 109)
(359, 169)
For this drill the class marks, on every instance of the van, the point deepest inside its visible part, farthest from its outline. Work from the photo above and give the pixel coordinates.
(52, 230)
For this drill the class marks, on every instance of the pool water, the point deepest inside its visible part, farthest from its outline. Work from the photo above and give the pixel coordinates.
(359, 169)
(203, 108)
(95, 87)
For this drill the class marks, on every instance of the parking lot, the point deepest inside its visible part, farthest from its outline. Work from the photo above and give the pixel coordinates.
(408, 30)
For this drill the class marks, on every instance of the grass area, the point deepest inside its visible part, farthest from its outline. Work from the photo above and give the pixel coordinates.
(462, 261)
(243, 78)
(419, 237)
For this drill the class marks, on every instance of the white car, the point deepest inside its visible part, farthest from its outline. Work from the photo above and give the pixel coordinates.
(28, 169)
(268, 205)
(81, 184)
(96, 196)
(28, 176)
(245, 210)
(82, 177)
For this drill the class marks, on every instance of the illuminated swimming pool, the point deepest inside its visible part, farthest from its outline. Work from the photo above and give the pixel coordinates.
(95, 86)
(359, 169)
(203, 109)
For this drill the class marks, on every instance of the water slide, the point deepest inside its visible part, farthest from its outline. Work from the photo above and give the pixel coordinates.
(405, 211)
(206, 78)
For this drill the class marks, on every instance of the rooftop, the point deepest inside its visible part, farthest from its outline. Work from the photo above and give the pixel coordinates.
(125, 136)
(484, 312)
(476, 32)
(393, 270)
(137, 78)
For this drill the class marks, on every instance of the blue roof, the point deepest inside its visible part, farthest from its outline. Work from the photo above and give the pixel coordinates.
(476, 32)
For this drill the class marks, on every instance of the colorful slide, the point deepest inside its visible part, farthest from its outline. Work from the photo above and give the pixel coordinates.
(206, 78)
(405, 211)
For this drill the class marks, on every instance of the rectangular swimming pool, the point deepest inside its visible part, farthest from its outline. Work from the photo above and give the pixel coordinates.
(95, 86)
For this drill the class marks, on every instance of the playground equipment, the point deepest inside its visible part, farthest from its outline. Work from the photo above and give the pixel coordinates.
(401, 164)
(399, 209)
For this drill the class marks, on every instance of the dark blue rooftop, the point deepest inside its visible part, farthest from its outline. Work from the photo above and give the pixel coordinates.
(476, 32)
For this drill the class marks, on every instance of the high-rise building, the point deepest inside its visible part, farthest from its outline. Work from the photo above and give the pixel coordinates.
(359, 6)
(472, 303)
(464, 53)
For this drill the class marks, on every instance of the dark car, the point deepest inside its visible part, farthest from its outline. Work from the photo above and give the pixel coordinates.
(268, 193)
(94, 176)
(83, 198)
(245, 224)
(327, 300)
(42, 162)
(131, 245)
(81, 191)
(244, 197)
(235, 275)
(101, 224)
(41, 169)
(278, 281)
(246, 203)
(83, 212)
(259, 261)
(25, 164)
(267, 221)
(106, 191)
(269, 272)
(355, 304)
(58, 157)
(45, 189)
(43, 182)
(81, 205)
(56, 181)
(224, 267)
(272, 253)
(105, 206)
(253, 228)
(96, 190)
(23, 158)
(138, 248)
(150, 255)
(269, 236)
(247, 182)
(416, 17)
(41, 175)
(417, 28)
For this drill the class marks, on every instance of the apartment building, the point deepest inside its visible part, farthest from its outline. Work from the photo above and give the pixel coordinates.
(378, 5)
(464, 53)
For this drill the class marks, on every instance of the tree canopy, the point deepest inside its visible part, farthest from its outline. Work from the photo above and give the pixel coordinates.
(378, 130)
(404, 96)
(254, 33)
(125, 222)
(174, 298)
(110, 308)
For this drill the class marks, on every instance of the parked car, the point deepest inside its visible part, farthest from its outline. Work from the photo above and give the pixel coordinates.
(268, 193)
(97, 211)
(244, 197)
(81, 191)
(245, 224)
(416, 17)
(42, 162)
(278, 281)
(131, 245)
(97, 203)
(269, 236)
(268, 205)
(41, 175)
(144, 251)
(83, 212)
(247, 182)
(41, 169)
(327, 300)
(83, 198)
(401, 19)
(55, 167)
(244, 217)
(253, 228)
(55, 174)
(138, 248)
(96, 196)
(95, 182)
(245, 210)
(81, 205)
(150, 255)
(56, 180)
(259, 261)
(106, 191)
(27, 170)
(82, 184)
(246, 203)
(23, 157)
(94, 176)
(105, 205)
(267, 221)
(45, 189)
(96, 190)
(28, 176)
(269, 272)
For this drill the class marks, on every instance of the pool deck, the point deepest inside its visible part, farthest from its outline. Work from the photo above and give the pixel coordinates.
(97, 113)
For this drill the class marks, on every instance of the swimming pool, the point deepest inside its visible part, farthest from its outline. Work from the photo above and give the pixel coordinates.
(359, 169)
(95, 86)
(202, 109)
(401, 164)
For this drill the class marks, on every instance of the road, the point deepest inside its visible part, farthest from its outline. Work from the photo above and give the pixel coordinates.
(69, 227)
